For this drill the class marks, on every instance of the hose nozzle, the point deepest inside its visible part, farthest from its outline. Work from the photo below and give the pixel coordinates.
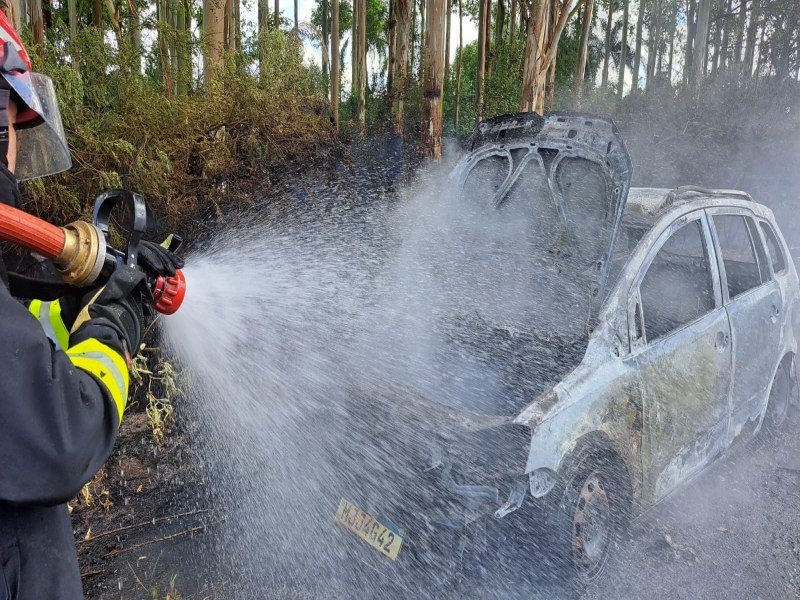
(169, 292)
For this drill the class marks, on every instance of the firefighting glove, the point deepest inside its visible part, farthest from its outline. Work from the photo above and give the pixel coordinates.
(9, 189)
(157, 260)
(117, 308)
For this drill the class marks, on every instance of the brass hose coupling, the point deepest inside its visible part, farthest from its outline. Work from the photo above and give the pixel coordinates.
(84, 253)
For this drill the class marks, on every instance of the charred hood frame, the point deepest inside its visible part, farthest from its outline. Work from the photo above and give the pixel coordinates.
(571, 135)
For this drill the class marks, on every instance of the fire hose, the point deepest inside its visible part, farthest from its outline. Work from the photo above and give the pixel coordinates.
(82, 252)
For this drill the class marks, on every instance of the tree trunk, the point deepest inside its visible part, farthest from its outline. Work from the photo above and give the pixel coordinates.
(691, 28)
(214, 33)
(362, 98)
(716, 44)
(512, 25)
(448, 15)
(72, 15)
(637, 52)
(700, 43)
(296, 20)
(654, 41)
(458, 68)
(359, 59)
(487, 39)
(97, 14)
(134, 32)
(174, 41)
(277, 15)
(583, 53)
(499, 28)
(727, 21)
(434, 78)
(531, 61)
(162, 18)
(740, 26)
(541, 46)
(750, 43)
(22, 13)
(414, 37)
(263, 16)
(263, 28)
(623, 55)
(707, 50)
(226, 25)
(183, 48)
(335, 63)
(391, 59)
(36, 21)
(326, 44)
(673, 26)
(480, 73)
(607, 52)
(402, 15)
(550, 91)
(757, 68)
(237, 24)
(115, 17)
(422, 31)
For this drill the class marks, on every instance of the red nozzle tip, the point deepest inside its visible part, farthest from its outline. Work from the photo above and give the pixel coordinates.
(169, 293)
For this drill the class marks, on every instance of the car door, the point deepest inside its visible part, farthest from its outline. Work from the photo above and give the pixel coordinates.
(753, 301)
(680, 347)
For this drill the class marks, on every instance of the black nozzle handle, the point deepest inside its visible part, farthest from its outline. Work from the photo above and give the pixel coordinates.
(106, 202)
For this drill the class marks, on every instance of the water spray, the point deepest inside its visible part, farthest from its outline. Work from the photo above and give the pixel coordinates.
(82, 252)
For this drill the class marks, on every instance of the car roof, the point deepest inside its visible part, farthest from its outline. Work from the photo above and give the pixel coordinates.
(645, 205)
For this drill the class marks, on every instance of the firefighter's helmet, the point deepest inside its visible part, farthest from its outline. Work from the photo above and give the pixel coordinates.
(41, 144)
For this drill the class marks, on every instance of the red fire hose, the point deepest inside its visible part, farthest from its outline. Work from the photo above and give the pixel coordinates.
(32, 233)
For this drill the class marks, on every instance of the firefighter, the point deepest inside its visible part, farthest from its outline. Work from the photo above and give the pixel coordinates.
(64, 378)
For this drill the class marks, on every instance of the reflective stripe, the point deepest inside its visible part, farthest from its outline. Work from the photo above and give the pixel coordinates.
(35, 308)
(57, 323)
(49, 315)
(107, 366)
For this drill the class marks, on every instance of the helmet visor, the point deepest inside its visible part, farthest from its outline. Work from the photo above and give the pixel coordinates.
(41, 144)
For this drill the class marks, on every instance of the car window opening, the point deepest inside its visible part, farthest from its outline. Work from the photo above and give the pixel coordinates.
(677, 288)
(738, 254)
(774, 249)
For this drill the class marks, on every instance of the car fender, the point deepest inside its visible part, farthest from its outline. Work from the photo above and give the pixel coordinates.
(599, 398)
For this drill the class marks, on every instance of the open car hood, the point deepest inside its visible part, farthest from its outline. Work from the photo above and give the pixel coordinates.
(564, 176)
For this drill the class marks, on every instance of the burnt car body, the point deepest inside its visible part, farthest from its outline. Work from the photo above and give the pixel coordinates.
(670, 331)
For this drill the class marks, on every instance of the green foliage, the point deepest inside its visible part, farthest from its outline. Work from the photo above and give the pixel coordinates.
(183, 153)
(345, 16)
(377, 26)
(377, 22)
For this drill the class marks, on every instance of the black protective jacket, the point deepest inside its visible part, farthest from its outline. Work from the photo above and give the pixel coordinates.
(58, 424)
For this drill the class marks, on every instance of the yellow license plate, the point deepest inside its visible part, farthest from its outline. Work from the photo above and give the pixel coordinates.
(364, 526)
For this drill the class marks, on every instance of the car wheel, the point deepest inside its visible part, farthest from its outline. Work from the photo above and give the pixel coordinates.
(780, 396)
(592, 514)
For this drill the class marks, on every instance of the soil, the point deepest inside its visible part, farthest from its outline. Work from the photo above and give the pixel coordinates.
(147, 513)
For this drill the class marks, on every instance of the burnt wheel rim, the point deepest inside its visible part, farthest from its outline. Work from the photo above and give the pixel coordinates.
(591, 527)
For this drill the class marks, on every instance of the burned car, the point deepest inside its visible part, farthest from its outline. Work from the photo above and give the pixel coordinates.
(650, 328)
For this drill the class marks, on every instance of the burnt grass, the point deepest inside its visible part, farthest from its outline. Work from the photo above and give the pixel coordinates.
(151, 513)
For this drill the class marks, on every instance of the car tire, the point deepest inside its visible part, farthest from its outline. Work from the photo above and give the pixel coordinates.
(592, 514)
(779, 403)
